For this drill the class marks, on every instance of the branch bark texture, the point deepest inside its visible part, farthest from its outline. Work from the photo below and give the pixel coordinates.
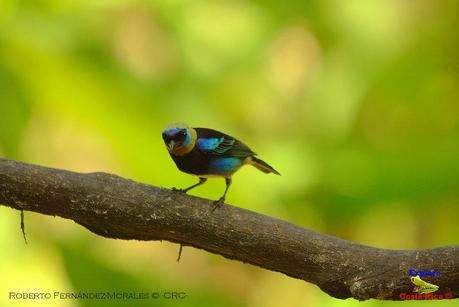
(114, 207)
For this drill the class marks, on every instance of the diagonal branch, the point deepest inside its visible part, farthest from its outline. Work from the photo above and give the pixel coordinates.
(114, 207)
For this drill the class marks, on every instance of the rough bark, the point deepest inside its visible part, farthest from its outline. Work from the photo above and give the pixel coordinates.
(113, 207)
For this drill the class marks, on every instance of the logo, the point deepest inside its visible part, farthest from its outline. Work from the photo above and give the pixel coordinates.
(424, 290)
(413, 273)
(423, 287)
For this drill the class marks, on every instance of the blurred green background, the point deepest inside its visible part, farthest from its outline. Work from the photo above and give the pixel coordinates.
(356, 103)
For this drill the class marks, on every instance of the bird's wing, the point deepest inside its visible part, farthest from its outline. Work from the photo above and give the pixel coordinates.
(212, 142)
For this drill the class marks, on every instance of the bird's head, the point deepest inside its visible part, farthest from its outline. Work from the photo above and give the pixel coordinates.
(179, 138)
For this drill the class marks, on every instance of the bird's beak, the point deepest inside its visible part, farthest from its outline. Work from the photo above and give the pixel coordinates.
(171, 145)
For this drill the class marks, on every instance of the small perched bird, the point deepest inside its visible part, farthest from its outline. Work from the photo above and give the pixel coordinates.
(209, 153)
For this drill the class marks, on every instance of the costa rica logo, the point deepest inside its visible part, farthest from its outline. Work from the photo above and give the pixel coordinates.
(423, 286)
(424, 290)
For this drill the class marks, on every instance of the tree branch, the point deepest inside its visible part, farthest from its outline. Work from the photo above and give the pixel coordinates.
(114, 207)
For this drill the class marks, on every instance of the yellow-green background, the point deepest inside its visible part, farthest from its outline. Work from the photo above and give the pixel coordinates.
(356, 103)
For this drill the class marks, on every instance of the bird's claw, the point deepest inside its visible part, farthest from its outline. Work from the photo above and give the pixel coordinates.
(218, 203)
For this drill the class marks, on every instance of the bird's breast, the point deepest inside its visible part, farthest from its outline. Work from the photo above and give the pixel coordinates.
(198, 164)
(191, 163)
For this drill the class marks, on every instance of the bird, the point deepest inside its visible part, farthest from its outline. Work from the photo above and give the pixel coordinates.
(208, 153)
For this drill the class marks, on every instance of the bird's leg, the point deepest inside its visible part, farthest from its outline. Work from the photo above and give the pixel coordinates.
(218, 203)
(201, 181)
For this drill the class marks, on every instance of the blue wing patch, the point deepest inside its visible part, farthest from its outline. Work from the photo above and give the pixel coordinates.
(224, 166)
(215, 145)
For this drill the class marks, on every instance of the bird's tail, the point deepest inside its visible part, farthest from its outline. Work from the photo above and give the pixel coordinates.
(262, 165)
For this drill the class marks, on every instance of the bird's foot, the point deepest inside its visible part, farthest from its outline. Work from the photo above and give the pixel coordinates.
(218, 203)
(174, 189)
